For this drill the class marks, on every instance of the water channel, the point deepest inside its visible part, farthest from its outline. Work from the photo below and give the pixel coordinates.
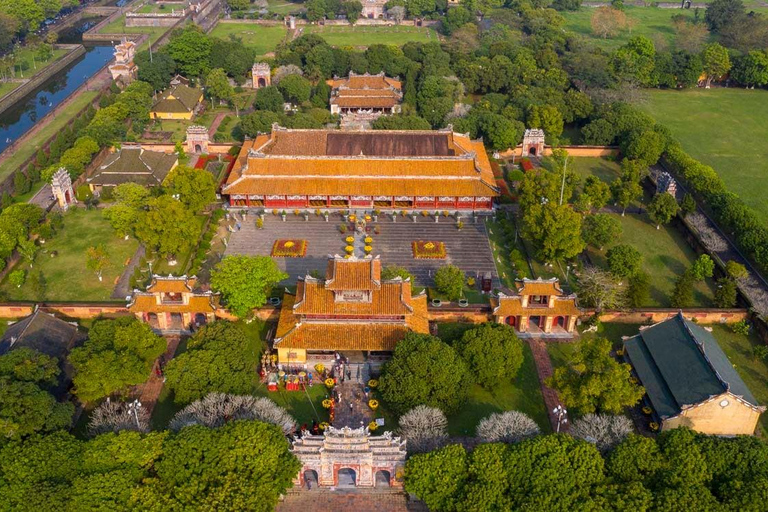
(15, 121)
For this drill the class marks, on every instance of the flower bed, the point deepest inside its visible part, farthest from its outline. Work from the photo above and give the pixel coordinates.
(428, 250)
(289, 249)
(526, 164)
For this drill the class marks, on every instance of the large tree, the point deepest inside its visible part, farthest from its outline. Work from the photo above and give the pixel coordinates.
(717, 62)
(220, 357)
(424, 371)
(555, 231)
(295, 88)
(662, 209)
(195, 188)
(167, 226)
(449, 281)
(624, 260)
(118, 353)
(594, 381)
(190, 48)
(25, 408)
(600, 229)
(217, 85)
(722, 13)
(245, 282)
(157, 71)
(493, 352)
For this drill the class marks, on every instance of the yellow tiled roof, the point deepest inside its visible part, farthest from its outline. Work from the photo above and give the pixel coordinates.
(393, 299)
(564, 305)
(349, 101)
(171, 284)
(353, 274)
(147, 303)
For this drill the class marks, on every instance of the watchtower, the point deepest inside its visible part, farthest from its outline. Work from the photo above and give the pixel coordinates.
(61, 185)
(533, 142)
(262, 76)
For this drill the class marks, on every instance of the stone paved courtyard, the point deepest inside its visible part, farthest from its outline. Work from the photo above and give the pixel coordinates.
(467, 248)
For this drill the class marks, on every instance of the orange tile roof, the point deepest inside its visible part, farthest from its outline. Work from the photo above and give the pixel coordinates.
(147, 303)
(512, 305)
(390, 300)
(171, 284)
(539, 287)
(353, 274)
(365, 82)
(365, 101)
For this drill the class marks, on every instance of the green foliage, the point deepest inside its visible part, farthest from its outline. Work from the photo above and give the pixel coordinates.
(295, 88)
(702, 268)
(663, 208)
(493, 353)
(167, 226)
(83, 193)
(424, 371)
(438, 476)
(401, 122)
(735, 270)
(260, 121)
(217, 85)
(118, 353)
(624, 260)
(546, 117)
(555, 231)
(195, 188)
(600, 229)
(449, 281)
(682, 295)
(158, 72)
(639, 290)
(219, 358)
(688, 204)
(594, 381)
(726, 293)
(25, 409)
(17, 277)
(190, 49)
(28, 365)
(394, 271)
(245, 282)
(269, 98)
(597, 191)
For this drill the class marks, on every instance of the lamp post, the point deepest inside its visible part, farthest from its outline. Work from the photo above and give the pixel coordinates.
(134, 407)
(561, 414)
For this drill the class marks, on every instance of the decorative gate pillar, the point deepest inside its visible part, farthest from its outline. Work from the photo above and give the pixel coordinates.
(197, 139)
(533, 142)
(262, 76)
(61, 184)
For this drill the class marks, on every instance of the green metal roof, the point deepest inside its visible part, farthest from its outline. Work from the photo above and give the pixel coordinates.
(680, 363)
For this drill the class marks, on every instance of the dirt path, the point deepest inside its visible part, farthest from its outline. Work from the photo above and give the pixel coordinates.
(545, 370)
(215, 124)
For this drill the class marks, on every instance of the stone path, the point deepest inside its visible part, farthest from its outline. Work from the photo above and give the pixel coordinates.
(359, 414)
(467, 248)
(545, 370)
(215, 124)
(123, 286)
(149, 392)
(357, 500)
(43, 197)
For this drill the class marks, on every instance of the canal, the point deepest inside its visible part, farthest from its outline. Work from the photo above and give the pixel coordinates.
(15, 121)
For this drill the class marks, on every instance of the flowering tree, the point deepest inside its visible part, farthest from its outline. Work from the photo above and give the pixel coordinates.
(116, 416)
(425, 428)
(216, 409)
(603, 430)
(507, 427)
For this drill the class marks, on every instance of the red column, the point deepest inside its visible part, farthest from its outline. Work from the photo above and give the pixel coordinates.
(248, 201)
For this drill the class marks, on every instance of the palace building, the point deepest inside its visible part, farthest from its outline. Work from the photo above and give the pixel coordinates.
(351, 309)
(174, 304)
(363, 98)
(133, 164)
(376, 169)
(179, 101)
(538, 306)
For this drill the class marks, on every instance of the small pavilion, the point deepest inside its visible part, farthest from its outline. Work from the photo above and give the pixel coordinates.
(173, 304)
(538, 306)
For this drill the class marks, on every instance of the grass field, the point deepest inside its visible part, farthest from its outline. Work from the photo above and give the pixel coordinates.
(365, 36)
(118, 27)
(650, 22)
(27, 64)
(56, 124)
(284, 7)
(723, 128)
(65, 275)
(262, 39)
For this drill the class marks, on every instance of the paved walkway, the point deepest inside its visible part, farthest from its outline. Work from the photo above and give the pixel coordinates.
(544, 369)
(215, 124)
(357, 500)
(359, 414)
(149, 392)
(123, 287)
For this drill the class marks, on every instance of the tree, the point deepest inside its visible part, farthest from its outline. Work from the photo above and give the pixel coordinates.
(221, 358)
(424, 428)
(608, 22)
(493, 353)
(158, 71)
(702, 268)
(644, 146)
(624, 260)
(662, 209)
(625, 192)
(682, 294)
(17, 278)
(115, 416)
(634, 62)
(594, 381)
(717, 62)
(269, 98)
(216, 409)
(352, 10)
(605, 431)
(131, 195)
(397, 13)
(546, 117)
(295, 88)
(752, 69)
(600, 229)
(555, 231)
(27, 365)
(316, 10)
(690, 37)
(122, 218)
(25, 409)
(166, 226)
(639, 290)
(438, 476)
(217, 85)
(260, 121)
(726, 293)
(97, 259)
(597, 191)
(687, 205)
(195, 188)
(245, 282)
(401, 122)
(507, 427)
(395, 271)
(722, 13)
(190, 48)
(118, 353)
(735, 270)
(449, 281)
(424, 371)
(28, 249)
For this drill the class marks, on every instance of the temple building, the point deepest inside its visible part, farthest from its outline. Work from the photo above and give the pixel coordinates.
(174, 304)
(124, 69)
(361, 99)
(539, 306)
(689, 381)
(351, 310)
(179, 101)
(377, 169)
(133, 164)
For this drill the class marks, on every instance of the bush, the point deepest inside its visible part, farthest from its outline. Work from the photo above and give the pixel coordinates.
(83, 193)
(449, 281)
(507, 427)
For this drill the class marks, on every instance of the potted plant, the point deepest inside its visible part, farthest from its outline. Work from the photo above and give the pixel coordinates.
(329, 383)
(373, 404)
(283, 215)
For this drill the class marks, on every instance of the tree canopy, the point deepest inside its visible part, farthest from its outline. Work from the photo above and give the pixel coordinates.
(195, 188)
(245, 282)
(493, 353)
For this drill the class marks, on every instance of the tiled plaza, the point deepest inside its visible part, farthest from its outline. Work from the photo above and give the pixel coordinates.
(467, 248)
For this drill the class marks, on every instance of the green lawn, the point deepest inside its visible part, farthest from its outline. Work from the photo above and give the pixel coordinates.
(365, 35)
(261, 38)
(723, 128)
(738, 348)
(283, 7)
(183, 260)
(65, 275)
(118, 27)
(561, 353)
(606, 170)
(650, 22)
(27, 64)
(157, 7)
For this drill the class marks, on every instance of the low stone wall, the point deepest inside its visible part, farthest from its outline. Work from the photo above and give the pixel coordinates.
(79, 310)
(574, 151)
(655, 315)
(10, 99)
(150, 20)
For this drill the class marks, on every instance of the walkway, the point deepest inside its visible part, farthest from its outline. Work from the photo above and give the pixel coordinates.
(215, 124)
(356, 500)
(123, 287)
(359, 414)
(544, 369)
(150, 391)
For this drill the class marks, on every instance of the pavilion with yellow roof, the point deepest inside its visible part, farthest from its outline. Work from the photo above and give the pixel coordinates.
(173, 303)
(350, 310)
(537, 306)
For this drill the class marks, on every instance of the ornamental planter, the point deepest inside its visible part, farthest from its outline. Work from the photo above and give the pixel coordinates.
(437, 303)
(373, 404)
(372, 426)
(289, 249)
(463, 303)
(427, 249)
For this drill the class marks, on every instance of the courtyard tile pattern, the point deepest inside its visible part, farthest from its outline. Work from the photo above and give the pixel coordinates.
(467, 248)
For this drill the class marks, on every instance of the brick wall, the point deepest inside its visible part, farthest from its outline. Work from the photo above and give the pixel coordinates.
(574, 151)
(654, 315)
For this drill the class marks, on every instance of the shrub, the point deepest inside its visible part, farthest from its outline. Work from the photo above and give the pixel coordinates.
(83, 193)
(507, 427)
